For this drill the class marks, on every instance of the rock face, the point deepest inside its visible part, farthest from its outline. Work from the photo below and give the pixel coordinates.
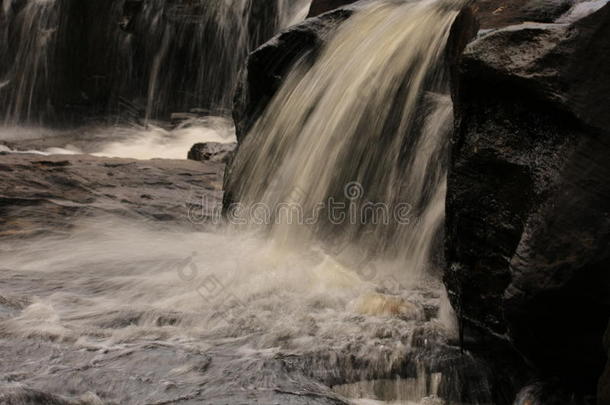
(68, 188)
(321, 6)
(212, 152)
(528, 226)
(603, 391)
(501, 13)
(267, 66)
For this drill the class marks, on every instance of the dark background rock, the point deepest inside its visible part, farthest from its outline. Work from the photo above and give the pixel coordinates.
(603, 391)
(528, 227)
(100, 55)
(502, 13)
(321, 6)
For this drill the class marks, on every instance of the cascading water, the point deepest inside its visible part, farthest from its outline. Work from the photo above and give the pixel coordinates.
(273, 319)
(25, 85)
(373, 114)
(71, 62)
(186, 37)
(171, 56)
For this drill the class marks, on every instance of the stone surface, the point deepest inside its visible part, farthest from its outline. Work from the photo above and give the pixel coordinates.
(546, 11)
(212, 152)
(43, 194)
(321, 6)
(603, 390)
(268, 65)
(502, 13)
(528, 226)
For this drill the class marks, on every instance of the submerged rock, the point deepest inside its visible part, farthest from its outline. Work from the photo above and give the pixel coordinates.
(528, 226)
(69, 188)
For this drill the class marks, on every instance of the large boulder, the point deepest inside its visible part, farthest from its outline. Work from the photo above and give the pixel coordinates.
(528, 222)
(502, 13)
(267, 67)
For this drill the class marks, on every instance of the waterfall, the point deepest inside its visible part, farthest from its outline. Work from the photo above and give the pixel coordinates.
(25, 84)
(363, 131)
(191, 52)
(68, 57)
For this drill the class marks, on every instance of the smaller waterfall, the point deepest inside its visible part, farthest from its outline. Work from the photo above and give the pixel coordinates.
(191, 52)
(29, 38)
(154, 57)
(365, 128)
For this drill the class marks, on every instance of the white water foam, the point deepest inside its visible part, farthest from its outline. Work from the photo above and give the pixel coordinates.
(136, 142)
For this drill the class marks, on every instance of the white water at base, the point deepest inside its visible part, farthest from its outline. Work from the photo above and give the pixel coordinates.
(136, 142)
(110, 285)
(156, 142)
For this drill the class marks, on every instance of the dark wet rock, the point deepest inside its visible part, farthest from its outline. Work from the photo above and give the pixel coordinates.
(603, 388)
(528, 226)
(549, 393)
(322, 6)
(545, 11)
(212, 152)
(43, 195)
(267, 66)
(18, 395)
(125, 375)
(502, 13)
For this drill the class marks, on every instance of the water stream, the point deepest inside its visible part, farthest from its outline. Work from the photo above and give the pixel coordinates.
(342, 303)
(321, 286)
